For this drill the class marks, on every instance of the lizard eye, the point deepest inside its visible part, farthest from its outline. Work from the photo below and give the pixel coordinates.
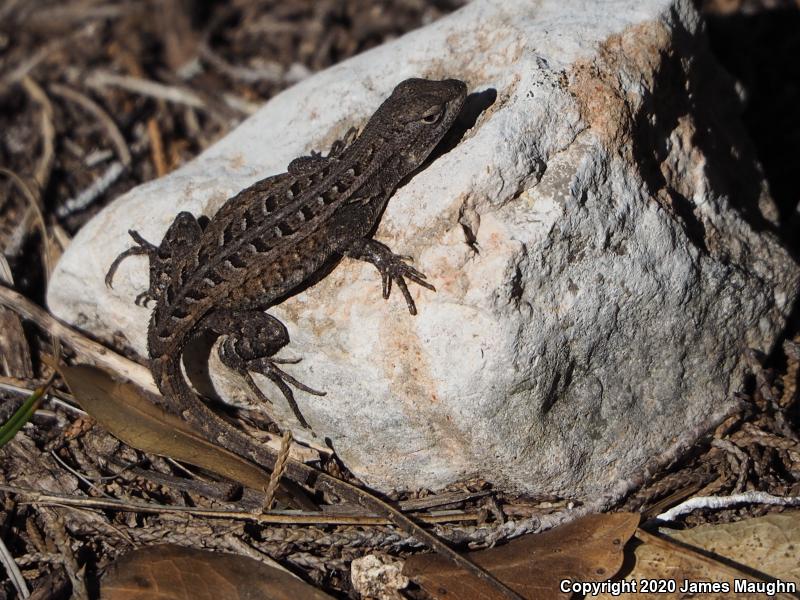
(433, 117)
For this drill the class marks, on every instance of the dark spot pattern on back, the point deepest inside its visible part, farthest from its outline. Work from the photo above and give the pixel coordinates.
(306, 212)
(194, 294)
(330, 195)
(227, 234)
(285, 228)
(270, 204)
(261, 245)
(237, 261)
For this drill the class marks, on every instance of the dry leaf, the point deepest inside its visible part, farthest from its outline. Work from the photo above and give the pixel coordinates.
(769, 545)
(174, 573)
(589, 549)
(128, 412)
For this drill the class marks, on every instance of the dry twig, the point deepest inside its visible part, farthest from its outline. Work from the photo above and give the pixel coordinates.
(274, 517)
(13, 571)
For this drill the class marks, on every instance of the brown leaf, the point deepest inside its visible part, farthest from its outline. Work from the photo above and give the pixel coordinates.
(770, 544)
(766, 544)
(174, 573)
(589, 549)
(129, 413)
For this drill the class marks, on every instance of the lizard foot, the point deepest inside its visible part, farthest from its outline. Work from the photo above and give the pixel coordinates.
(392, 267)
(395, 269)
(143, 248)
(281, 379)
(251, 340)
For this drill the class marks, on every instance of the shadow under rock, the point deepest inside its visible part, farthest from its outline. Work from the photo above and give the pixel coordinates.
(708, 95)
(762, 51)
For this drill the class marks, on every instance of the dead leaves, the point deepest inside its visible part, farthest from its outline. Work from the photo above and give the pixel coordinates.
(756, 553)
(589, 549)
(129, 413)
(753, 552)
(174, 573)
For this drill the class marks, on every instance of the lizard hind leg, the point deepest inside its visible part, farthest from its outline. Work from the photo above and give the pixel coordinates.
(251, 340)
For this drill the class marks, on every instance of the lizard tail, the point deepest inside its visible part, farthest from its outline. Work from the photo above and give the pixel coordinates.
(171, 382)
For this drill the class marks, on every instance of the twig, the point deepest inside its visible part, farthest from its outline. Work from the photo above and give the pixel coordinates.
(45, 166)
(58, 531)
(39, 557)
(89, 351)
(35, 205)
(15, 353)
(145, 87)
(278, 471)
(22, 70)
(157, 147)
(240, 104)
(76, 473)
(275, 517)
(91, 193)
(716, 502)
(272, 72)
(114, 134)
(15, 243)
(13, 571)
(78, 13)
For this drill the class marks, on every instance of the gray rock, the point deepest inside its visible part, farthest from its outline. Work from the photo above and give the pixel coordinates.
(599, 239)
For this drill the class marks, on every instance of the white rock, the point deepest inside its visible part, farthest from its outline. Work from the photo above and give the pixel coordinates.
(599, 262)
(378, 577)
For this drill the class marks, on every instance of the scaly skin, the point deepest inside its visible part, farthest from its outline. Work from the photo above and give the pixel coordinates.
(274, 237)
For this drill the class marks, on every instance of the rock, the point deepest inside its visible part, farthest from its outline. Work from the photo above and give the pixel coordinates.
(600, 239)
(378, 576)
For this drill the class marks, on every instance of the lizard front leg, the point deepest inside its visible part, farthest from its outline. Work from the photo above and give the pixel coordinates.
(184, 232)
(391, 266)
(251, 340)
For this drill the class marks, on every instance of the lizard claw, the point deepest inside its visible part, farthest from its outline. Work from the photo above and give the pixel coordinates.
(143, 247)
(143, 299)
(285, 361)
(281, 379)
(395, 269)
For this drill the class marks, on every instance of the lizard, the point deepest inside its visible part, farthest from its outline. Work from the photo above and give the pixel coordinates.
(276, 237)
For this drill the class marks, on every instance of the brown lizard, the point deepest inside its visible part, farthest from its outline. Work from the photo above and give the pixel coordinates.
(275, 237)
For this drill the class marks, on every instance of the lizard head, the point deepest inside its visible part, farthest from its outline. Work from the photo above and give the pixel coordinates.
(417, 115)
